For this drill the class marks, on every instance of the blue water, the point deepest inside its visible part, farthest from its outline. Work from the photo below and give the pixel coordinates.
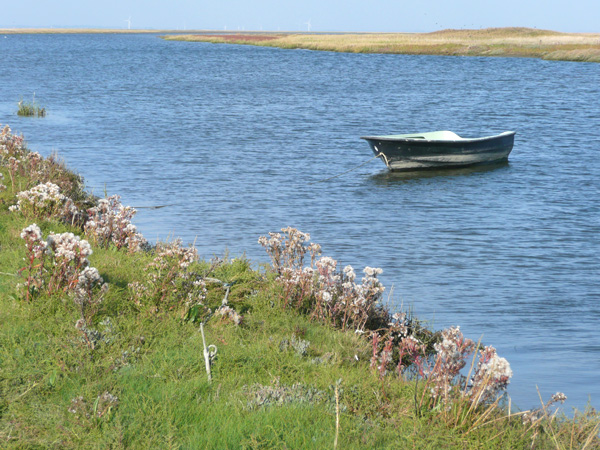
(233, 136)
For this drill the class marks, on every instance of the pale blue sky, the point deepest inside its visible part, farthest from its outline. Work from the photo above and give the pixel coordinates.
(324, 15)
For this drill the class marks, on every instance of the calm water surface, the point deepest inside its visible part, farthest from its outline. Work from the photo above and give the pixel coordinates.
(233, 137)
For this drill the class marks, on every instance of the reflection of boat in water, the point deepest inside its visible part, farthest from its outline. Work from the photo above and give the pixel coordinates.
(386, 178)
(439, 149)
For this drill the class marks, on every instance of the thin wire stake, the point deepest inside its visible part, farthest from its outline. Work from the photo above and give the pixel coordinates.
(337, 416)
(209, 353)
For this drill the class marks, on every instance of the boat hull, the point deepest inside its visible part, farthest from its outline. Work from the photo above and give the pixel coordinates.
(406, 154)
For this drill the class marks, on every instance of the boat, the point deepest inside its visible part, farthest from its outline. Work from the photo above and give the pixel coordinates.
(439, 149)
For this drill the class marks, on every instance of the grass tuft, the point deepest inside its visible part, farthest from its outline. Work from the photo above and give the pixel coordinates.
(32, 108)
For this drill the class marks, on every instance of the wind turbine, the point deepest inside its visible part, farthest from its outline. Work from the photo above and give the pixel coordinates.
(308, 25)
(128, 23)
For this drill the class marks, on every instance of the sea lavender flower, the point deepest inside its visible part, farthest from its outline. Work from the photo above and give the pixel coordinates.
(314, 250)
(349, 273)
(289, 250)
(34, 157)
(169, 279)
(70, 254)
(168, 252)
(399, 325)
(385, 357)
(333, 296)
(372, 271)
(451, 355)
(31, 233)
(69, 246)
(89, 276)
(13, 164)
(411, 351)
(453, 351)
(89, 292)
(535, 416)
(491, 377)
(297, 285)
(36, 247)
(325, 296)
(36, 252)
(43, 201)
(10, 145)
(109, 222)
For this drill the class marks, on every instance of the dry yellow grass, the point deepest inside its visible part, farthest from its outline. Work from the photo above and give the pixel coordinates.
(524, 42)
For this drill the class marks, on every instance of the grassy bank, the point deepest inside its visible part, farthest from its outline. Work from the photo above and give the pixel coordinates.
(511, 42)
(100, 344)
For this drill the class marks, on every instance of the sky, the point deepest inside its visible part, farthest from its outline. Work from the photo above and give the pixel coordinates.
(287, 15)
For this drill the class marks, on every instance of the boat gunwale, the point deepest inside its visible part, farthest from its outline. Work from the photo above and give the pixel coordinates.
(397, 138)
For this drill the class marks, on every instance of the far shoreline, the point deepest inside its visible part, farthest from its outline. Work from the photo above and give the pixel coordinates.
(488, 42)
(499, 42)
(9, 31)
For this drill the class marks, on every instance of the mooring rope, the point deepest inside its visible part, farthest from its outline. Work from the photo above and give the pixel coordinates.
(385, 160)
(350, 170)
(379, 155)
(154, 207)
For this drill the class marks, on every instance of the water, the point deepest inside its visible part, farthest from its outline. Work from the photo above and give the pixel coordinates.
(233, 137)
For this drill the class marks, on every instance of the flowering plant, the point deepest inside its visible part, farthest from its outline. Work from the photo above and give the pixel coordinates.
(327, 294)
(10, 145)
(486, 383)
(36, 253)
(32, 170)
(60, 265)
(89, 292)
(56, 264)
(288, 250)
(42, 201)
(169, 279)
(69, 258)
(109, 222)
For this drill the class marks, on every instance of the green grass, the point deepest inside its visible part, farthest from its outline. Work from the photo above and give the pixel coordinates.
(153, 363)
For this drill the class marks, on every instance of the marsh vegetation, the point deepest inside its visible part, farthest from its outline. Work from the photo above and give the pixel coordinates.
(512, 42)
(31, 108)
